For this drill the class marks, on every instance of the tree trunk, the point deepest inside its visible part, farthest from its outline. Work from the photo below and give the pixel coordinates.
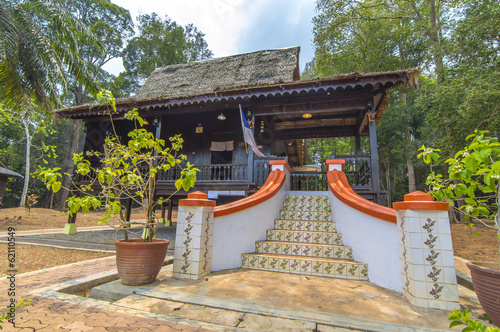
(69, 169)
(409, 162)
(80, 95)
(497, 225)
(22, 203)
(435, 36)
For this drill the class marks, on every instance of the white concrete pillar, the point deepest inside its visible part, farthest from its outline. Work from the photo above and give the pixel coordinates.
(337, 164)
(426, 252)
(193, 240)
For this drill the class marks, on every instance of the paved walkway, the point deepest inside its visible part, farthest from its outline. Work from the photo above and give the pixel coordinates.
(53, 311)
(45, 314)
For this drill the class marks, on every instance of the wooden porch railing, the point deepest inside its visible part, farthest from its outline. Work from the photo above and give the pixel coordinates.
(308, 181)
(261, 169)
(213, 172)
(358, 171)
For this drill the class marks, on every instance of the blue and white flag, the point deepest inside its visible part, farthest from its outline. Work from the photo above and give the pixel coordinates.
(247, 134)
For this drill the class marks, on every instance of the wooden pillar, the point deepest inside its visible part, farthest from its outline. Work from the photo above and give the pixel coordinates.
(128, 209)
(158, 128)
(170, 206)
(157, 123)
(372, 128)
(163, 212)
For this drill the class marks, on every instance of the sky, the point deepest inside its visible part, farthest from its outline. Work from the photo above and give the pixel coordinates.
(236, 26)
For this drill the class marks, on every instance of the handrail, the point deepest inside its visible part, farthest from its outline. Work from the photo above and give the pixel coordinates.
(274, 182)
(337, 181)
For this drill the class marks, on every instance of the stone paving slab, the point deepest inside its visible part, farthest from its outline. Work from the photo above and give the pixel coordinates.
(190, 307)
(154, 302)
(53, 314)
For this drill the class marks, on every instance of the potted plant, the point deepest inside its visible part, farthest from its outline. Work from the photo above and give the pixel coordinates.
(127, 171)
(474, 173)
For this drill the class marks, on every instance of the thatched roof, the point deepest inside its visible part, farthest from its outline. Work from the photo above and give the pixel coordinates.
(269, 73)
(8, 173)
(209, 76)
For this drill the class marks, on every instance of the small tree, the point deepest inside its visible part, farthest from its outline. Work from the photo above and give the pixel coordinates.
(474, 173)
(31, 200)
(125, 172)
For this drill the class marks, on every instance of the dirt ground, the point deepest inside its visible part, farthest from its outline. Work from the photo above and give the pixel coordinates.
(53, 219)
(477, 248)
(33, 258)
(482, 248)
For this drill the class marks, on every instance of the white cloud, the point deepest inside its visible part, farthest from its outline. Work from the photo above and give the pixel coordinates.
(236, 26)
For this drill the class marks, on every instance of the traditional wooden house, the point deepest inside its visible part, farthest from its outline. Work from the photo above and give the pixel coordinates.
(201, 100)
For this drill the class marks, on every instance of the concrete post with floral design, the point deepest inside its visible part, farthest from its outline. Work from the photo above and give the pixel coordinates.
(193, 240)
(426, 252)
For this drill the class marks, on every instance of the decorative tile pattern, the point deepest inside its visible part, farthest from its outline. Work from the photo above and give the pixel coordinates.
(426, 259)
(193, 245)
(305, 241)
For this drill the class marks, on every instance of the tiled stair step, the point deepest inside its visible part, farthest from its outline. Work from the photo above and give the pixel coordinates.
(307, 199)
(305, 215)
(303, 249)
(304, 237)
(326, 267)
(299, 225)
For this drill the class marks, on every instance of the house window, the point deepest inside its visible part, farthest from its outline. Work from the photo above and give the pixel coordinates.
(222, 152)
(222, 157)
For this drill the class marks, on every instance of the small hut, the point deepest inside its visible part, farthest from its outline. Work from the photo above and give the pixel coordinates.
(4, 175)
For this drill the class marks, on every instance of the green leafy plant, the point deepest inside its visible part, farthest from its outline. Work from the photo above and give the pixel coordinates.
(9, 317)
(473, 173)
(124, 171)
(462, 317)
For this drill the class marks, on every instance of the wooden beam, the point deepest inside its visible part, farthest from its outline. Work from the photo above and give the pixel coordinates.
(323, 132)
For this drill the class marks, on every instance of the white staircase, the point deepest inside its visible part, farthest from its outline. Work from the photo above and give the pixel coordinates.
(305, 241)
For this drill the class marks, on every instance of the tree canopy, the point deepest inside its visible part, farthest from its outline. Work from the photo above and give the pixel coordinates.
(162, 42)
(38, 44)
(454, 43)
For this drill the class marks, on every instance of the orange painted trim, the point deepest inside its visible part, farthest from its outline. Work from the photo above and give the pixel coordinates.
(197, 195)
(418, 196)
(337, 181)
(335, 162)
(196, 202)
(275, 181)
(441, 206)
(280, 162)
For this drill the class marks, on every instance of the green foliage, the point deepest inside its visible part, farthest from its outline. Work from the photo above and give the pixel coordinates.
(319, 150)
(364, 36)
(474, 172)
(162, 42)
(18, 130)
(462, 317)
(124, 171)
(11, 314)
(39, 42)
(109, 23)
(455, 44)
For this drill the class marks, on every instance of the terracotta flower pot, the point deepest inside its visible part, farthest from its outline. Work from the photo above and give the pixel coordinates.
(487, 286)
(139, 262)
